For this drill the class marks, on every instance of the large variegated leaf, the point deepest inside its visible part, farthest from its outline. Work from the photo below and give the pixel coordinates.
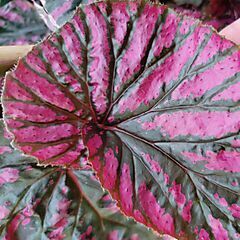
(153, 99)
(53, 203)
(20, 24)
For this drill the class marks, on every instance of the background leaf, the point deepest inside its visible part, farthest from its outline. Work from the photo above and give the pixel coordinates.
(3, 2)
(53, 203)
(154, 98)
(56, 12)
(20, 24)
(192, 2)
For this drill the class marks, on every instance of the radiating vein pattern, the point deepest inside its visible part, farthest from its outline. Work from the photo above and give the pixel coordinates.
(152, 100)
(52, 203)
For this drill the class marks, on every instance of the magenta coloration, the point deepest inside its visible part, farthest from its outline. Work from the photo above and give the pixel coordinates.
(8, 175)
(126, 190)
(119, 19)
(182, 123)
(226, 161)
(150, 100)
(169, 70)
(110, 170)
(3, 212)
(62, 9)
(168, 32)
(218, 229)
(5, 149)
(164, 221)
(230, 93)
(99, 79)
(175, 190)
(130, 62)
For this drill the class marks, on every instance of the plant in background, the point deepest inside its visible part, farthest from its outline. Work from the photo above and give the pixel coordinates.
(147, 98)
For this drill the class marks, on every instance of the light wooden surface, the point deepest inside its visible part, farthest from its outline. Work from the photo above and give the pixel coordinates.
(10, 54)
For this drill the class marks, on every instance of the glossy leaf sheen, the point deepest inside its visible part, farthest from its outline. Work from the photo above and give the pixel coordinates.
(152, 98)
(52, 203)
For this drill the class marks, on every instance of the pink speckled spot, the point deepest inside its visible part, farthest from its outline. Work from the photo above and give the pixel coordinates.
(193, 157)
(161, 220)
(113, 235)
(126, 189)
(78, 25)
(110, 169)
(75, 85)
(166, 178)
(186, 212)
(30, 112)
(236, 143)
(139, 217)
(8, 175)
(60, 220)
(24, 6)
(203, 235)
(100, 58)
(63, 8)
(200, 84)
(26, 221)
(54, 57)
(153, 163)
(149, 88)
(11, 16)
(119, 19)
(134, 237)
(11, 123)
(28, 211)
(176, 191)
(223, 160)
(70, 156)
(5, 149)
(234, 183)
(51, 151)
(3, 212)
(7, 134)
(35, 62)
(94, 144)
(86, 235)
(42, 87)
(72, 44)
(130, 62)
(46, 134)
(215, 44)
(96, 163)
(222, 201)
(166, 37)
(13, 90)
(231, 93)
(235, 210)
(218, 230)
(26, 149)
(201, 124)
(186, 24)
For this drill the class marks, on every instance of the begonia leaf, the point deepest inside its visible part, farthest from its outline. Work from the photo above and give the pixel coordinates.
(151, 99)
